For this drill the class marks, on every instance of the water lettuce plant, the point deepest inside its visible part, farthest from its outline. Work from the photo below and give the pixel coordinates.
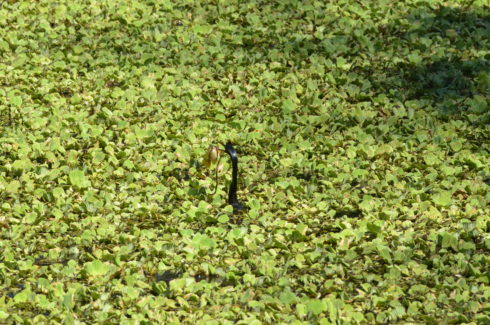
(363, 134)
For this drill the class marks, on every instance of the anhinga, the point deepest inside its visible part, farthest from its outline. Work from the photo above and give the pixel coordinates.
(232, 196)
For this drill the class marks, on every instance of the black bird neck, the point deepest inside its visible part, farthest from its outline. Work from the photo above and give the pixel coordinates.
(232, 192)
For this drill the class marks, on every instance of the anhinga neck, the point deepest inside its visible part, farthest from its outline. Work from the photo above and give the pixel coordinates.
(232, 192)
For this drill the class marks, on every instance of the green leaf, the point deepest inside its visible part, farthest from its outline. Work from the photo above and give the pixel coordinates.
(442, 198)
(449, 241)
(367, 203)
(479, 105)
(60, 65)
(316, 307)
(4, 314)
(22, 164)
(23, 296)
(431, 159)
(342, 63)
(166, 5)
(414, 58)
(96, 268)
(384, 252)
(14, 100)
(202, 29)
(223, 218)
(4, 46)
(287, 297)
(288, 106)
(147, 83)
(301, 310)
(78, 179)
(19, 61)
(128, 164)
(203, 242)
(12, 187)
(373, 227)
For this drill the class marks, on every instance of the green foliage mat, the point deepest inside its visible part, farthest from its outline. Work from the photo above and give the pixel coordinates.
(363, 130)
